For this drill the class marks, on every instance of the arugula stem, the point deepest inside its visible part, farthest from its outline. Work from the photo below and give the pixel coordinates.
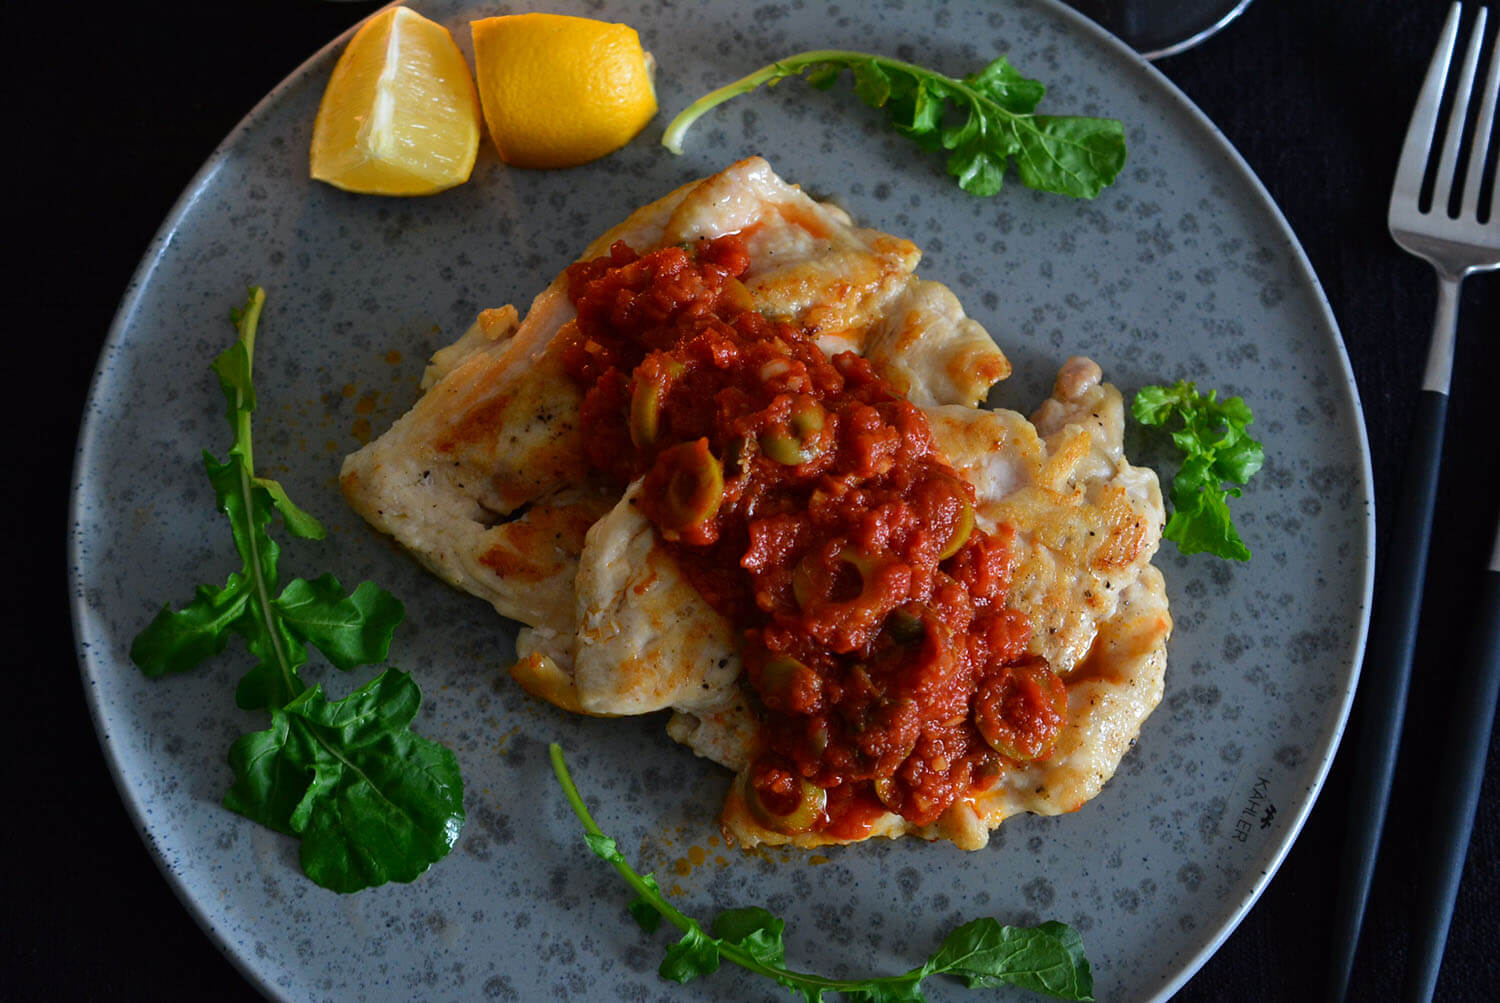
(246, 321)
(262, 606)
(299, 776)
(560, 767)
(793, 66)
(732, 952)
(1070, 155)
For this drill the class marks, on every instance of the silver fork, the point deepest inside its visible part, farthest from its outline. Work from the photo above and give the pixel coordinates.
(1455, 247)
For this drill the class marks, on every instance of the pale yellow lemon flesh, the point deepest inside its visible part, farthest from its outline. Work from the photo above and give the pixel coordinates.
(400, 115)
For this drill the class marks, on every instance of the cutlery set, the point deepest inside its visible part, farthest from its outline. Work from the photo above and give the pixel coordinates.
(1458, 232)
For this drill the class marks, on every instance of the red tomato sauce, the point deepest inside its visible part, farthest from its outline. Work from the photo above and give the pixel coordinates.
(806, 500)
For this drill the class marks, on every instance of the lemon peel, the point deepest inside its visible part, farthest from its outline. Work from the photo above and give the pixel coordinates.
(558, 91)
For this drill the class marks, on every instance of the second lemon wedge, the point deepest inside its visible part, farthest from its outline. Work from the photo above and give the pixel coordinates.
(400, 115)
(558, 91)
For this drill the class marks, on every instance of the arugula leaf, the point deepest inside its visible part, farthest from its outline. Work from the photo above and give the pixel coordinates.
(695, 954)
(984, 953)
(1068, 155)
(754, 929)
(1047, 958)
(372, 801)
(1216, 449)
(351, 630)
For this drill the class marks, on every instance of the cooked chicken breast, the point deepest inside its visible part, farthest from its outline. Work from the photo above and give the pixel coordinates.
(486, 482)
(1086, 524)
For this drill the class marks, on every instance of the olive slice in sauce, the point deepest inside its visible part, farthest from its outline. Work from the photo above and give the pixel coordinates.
(812, 801)
(786, 683)
(963, 528)
(795, 442)
(812, 582)
(694, 490)
(905, 626)
(646, 400)
(888, 793)
(1020, 712)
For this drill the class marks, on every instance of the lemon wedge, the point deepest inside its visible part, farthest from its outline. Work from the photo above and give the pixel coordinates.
(559, 91)
(400, 115)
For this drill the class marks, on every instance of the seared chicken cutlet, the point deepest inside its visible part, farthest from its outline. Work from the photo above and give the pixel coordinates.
(485, 480)
(747, 481)
(1086, 525)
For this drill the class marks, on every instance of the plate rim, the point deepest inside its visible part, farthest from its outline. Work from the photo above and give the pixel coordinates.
(1075, 22)
(1366, 471)
(135, 288)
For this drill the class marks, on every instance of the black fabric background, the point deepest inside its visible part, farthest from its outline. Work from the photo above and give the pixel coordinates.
(113, 107)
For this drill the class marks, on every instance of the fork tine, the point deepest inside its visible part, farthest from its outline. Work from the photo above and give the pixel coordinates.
(1453, 139)
(1418, 144)
(1482, 128)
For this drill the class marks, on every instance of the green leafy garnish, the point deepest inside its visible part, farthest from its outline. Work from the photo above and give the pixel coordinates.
(1047, 958)
(372, 801)
(1215, 449)
(994, 122)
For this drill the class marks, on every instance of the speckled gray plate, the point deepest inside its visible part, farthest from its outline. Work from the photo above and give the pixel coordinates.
(1183, 268)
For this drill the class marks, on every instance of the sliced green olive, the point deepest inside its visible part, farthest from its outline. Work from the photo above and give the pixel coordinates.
(1021, 713)
(695, 490)
(963, 528)
(817, 739)
(905, 626)
(780, 673)
(807, 418)
(645, 414)
(646, 402)
(795, 442)
(812, 801)
(784, 448)
(802, 584)
(808, 574)
(780, 676)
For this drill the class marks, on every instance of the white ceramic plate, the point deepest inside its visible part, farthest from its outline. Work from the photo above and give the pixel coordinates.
(1183, 269)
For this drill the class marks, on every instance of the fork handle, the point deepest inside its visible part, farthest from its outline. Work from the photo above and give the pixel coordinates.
(1387, 670)
(1439, 373)
(1476, 683)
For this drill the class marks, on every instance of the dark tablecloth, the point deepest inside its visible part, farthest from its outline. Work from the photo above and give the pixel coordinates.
(118, 105)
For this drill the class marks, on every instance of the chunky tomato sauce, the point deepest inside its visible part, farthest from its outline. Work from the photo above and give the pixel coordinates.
(806, 500)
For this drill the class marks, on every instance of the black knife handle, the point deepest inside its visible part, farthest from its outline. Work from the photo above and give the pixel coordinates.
(1387, 670)
(1476, 687)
